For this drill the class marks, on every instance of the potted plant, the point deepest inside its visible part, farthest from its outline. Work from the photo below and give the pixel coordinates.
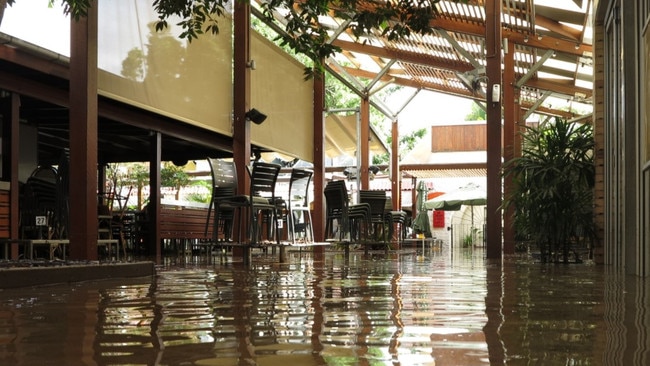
(552, 195)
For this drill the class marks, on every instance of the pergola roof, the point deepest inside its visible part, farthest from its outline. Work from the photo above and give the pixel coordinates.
(551, 40)
(553, 60)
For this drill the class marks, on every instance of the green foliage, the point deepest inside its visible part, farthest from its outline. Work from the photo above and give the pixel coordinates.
(173, 176)
(339, 96)
(476, 114)
(553, 184)
(199, 197)
(135, 175)
(133, 66)
(468, 241)
(406, 144)
(76, 8)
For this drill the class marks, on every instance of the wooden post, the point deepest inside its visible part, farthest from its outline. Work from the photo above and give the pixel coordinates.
(83, 136)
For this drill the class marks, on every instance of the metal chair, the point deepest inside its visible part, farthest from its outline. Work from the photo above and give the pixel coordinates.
(224, 187)
(377, 202)
(397, 218)
(261, 199)
(350, 219)
(298, 213)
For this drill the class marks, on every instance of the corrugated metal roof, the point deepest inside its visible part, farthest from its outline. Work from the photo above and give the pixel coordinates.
(428, 173)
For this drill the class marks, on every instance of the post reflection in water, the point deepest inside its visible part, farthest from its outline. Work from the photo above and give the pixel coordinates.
(405, 308)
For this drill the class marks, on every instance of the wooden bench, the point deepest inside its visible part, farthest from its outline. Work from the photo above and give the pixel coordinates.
(184, 227)
(184, 223)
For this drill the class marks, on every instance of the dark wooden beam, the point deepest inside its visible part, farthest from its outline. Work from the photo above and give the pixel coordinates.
(493, 37)
(83, 137)
(543, 42)
(318, 214)
(405, 56)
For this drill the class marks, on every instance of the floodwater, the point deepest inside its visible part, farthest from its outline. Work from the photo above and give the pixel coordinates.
(446, 307)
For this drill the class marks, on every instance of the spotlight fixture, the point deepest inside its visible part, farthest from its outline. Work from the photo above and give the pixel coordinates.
(526, 39)
(179, 162)
(255, 116)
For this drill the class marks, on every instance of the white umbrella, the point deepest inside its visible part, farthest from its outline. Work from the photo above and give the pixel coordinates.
(471, 195)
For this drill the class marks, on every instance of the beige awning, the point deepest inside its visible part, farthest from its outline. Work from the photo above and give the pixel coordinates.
(341, 136)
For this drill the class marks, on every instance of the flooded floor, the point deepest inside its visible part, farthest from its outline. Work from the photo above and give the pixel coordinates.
(446, 307)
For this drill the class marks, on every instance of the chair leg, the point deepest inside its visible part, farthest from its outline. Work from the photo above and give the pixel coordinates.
(252, 228)
(207, 221)
(215, 224)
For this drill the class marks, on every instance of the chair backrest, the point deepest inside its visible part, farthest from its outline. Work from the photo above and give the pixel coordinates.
(46, 173)
(123, 206)
(51, 194)
(336, 197)
(263, 179)
(299, 186)
(376, 200)
(224, 177)
(38, 199)
(389, 204)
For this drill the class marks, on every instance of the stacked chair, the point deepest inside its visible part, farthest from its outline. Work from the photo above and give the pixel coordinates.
(352, 219)
(260, 200)
(397, 218)
(297, 207)
(379, 224)
(39, 199)
(43, 207)
(224, 187)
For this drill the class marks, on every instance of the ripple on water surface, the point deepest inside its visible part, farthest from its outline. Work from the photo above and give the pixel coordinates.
(439, 308)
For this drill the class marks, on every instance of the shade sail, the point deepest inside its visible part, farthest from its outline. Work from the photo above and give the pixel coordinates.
(471, 195)
(289, 128)
(341, 136)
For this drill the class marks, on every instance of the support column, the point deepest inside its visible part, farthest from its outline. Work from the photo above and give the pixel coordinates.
(155, 155)
(510, 108)
(364, 139)
(318, 214)
(493, 70)
(414, 200)
(83, 136)
(241, 94)
(241, 104)
(395, 174)
(10, 159)
(395, 180)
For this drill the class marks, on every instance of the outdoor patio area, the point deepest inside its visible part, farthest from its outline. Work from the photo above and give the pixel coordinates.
(439, 306)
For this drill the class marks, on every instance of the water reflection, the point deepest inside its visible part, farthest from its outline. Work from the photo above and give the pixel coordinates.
(440, 308)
